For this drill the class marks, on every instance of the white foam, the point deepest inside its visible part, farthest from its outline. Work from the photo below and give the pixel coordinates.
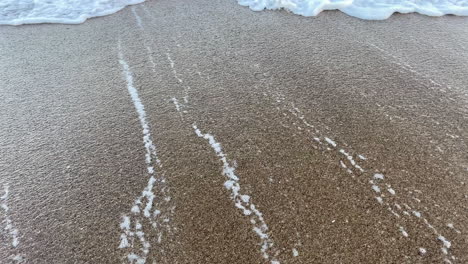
(364, 9)
(295, 252)
(12, 232)
(137, 18)
(242, 201)
(403, 231)
(331, 142)
(417, 214)
(124, 241)
(18, 12)
(445, 251)
(6, 191)
(185, 87)
(148, 143)
(446, 243)
(174, 71)
(379, 176)
(451, 226)
(343, 165)
(393, 212)
(376, 188)
(147, 195)
(422, 251)
(18, 258)
(351, 160)
(149, 50)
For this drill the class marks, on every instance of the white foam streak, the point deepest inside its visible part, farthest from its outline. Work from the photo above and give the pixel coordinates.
(242, 201)
(10, 229)
(446, 243)
(403, 231)
(151, 160)
(137, 18)
(125, 226)
(174, 71)
(351, 160)
(178, 106)
(379, 200)
(149, 51)
(6, 190)
(331, 142)
(376, 180)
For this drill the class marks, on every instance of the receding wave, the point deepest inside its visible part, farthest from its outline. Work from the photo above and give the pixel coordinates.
(18, 12)
(365, 9)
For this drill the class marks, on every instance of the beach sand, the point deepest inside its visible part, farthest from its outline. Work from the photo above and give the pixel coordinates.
(277, 91)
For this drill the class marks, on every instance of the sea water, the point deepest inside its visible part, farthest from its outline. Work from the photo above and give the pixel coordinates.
(17, 12)
(365, 9)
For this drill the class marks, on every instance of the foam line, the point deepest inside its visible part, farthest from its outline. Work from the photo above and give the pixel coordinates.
(129, 233)
(10, 229)
(242, 201)
(149, 50)
(377, 179)
(138, 18)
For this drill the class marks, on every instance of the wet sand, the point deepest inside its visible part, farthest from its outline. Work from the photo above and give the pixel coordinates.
(348, 136)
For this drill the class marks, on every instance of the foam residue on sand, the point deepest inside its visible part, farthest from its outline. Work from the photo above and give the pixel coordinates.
(9, 228)
(364, 9)
(242, 201)
(379, 185)
(18, 12)
(144, 208)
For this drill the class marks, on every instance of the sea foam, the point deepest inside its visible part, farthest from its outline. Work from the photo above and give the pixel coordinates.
(18, 12)
(364, 9)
